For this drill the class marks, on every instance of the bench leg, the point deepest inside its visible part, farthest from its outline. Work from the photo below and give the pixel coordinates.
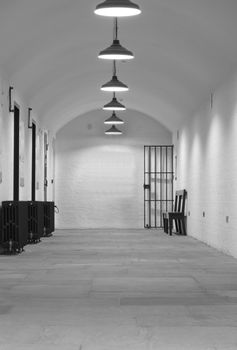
(170, 225)
(183, 227)
(166, 225)
(177, 225)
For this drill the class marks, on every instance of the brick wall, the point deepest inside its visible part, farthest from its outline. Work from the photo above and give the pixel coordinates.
(99, 178)
(6, 148)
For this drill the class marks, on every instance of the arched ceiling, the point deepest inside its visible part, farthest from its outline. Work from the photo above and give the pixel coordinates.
(183, 50)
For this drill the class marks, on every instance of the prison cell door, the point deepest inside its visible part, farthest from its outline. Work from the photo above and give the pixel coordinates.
(45, 165)
(158, 184)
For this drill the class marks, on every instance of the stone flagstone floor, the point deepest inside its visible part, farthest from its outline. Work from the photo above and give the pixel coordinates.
(118, 290)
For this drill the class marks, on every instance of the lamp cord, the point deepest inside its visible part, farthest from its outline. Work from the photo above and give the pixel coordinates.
(115, 38)
(115, 28)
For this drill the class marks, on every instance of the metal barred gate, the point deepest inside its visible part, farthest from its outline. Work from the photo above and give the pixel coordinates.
(158, 184)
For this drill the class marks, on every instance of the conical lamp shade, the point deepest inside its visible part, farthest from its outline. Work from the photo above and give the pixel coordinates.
(114, 105)
(116, 52)
(114, 85)
(113, 131)
(113, 120)
(117, 8)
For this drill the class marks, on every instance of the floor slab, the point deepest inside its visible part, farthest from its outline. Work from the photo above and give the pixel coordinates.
(118, 289)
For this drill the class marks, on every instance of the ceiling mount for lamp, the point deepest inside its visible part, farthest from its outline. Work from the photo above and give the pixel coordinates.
(116, 51)
(113, 131)
(114, 84)
(114, 105)
(117, 8)
(114, 119)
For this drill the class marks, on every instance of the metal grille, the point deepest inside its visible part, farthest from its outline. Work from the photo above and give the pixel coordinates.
(32, 218)
(10, 223)
(158, 184)
(48, 218)
(14, 225)
(35, 221)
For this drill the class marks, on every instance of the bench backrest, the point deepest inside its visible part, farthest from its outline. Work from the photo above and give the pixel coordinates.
(180, 199)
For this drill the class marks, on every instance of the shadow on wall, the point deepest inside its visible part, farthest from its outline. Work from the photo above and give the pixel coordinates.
(100, 177)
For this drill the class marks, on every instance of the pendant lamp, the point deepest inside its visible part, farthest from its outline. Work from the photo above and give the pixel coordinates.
(113, 120)
(114, 84)
(117, 8)
(113, 131)
(116, 51)
(114, 105)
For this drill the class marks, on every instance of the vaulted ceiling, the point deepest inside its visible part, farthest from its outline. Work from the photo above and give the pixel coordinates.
(183, 50)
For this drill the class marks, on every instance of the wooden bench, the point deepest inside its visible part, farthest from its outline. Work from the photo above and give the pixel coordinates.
(178, 215)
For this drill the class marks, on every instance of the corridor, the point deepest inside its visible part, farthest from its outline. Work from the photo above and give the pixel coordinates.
(118, 290)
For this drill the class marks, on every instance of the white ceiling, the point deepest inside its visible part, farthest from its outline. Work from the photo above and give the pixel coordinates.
(183, 50)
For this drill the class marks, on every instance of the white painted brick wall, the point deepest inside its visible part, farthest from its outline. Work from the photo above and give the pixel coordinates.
(207, 168)
(99, 178)
(6, 148)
